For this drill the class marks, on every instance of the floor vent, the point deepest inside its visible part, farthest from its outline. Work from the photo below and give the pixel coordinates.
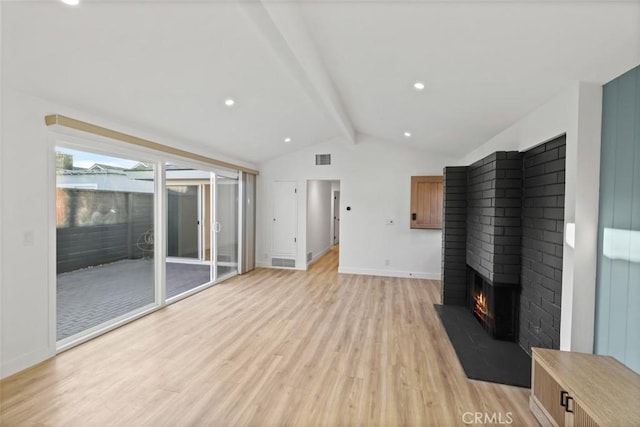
(283, 262)
(309, 256)
(323, 159)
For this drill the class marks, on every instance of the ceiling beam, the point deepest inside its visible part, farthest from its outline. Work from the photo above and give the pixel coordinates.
(282, 27)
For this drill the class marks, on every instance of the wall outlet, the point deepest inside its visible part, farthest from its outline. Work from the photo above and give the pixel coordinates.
(387, 262)
(389, 221)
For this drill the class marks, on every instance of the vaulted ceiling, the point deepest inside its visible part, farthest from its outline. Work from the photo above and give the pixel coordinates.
(314, 70)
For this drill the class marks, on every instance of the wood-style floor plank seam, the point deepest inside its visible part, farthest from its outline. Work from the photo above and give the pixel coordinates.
(271, 347)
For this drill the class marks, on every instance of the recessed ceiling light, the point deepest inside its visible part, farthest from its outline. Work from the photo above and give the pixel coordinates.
(71, 2)
(287, 140)
(229, 102)
(418, 85)
(407, 134)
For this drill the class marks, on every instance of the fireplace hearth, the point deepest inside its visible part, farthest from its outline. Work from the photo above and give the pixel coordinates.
(502, 248)
(494, 306)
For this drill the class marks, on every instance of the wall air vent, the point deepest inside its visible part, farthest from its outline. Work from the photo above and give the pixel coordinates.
(283, 262)
(323, 159)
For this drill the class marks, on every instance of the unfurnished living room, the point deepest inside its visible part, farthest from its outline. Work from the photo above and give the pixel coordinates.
(327, 213)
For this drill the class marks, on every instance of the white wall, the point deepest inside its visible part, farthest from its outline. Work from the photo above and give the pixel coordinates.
(25, 291)
(27, 335)
(375, 180)
(319, 217)
(577, 111)
(1, 195)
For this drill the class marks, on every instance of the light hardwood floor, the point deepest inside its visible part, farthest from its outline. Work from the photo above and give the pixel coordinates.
(272, 347)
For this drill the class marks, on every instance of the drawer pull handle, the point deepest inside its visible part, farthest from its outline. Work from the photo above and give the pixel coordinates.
(567, 407)
(563, 399)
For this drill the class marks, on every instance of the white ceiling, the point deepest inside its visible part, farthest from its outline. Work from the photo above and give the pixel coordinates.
(314, 70)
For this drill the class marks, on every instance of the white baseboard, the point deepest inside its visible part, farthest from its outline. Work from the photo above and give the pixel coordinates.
(389, 273)
(26, 361)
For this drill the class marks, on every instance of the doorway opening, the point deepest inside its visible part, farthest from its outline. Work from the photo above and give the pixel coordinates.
(323, 219)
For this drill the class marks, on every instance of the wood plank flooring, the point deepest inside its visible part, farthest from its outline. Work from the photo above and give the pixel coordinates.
(272, 347)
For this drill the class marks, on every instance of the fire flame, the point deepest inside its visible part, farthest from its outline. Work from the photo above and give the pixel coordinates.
(481, 304)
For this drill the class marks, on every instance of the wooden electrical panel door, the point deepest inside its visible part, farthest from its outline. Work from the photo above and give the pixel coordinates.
(426, 202)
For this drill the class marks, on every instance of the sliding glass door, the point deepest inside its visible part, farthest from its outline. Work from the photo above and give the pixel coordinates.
(104, 241)
(184, 222)
(226, 225)
(134, 234)
(188, 262)
(202, 228)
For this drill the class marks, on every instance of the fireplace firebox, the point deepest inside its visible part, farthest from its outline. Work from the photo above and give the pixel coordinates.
(494, 305)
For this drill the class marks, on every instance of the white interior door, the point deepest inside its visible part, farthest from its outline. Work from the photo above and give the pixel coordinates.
(285, 218)
(336, 217)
